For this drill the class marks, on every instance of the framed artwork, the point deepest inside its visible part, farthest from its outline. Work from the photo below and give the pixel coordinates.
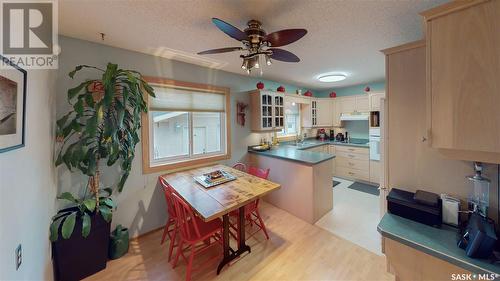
(12, 105)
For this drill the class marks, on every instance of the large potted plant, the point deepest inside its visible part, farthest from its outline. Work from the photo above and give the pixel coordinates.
(100, 129)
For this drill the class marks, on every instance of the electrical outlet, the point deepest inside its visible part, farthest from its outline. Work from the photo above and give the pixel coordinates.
(19, 256)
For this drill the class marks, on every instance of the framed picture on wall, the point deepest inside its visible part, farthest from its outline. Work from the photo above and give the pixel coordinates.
(12, 105)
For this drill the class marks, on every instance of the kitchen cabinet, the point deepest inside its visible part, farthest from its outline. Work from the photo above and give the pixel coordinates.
(331, 150)
(356, 103)
(268, 110)
(375, 100)
(362, 103)
(336, 113)
(352, 162)
(321, 148)
(463, 70)
(347, 104)
(325, 112)
(319, 113)
(375, 171)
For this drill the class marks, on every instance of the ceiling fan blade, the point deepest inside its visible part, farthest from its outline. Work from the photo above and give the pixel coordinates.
(221, 50)
(230, 30)
(285, 37)
(282, 55)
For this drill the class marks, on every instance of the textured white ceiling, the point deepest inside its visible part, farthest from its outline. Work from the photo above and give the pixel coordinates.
(343, 36)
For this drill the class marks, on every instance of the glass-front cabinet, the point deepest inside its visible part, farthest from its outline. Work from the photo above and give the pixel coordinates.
(268, 110)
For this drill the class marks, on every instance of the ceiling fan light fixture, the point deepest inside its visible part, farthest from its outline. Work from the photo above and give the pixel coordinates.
(329, 78)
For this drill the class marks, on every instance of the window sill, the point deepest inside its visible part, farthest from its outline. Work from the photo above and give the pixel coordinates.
(183, 165)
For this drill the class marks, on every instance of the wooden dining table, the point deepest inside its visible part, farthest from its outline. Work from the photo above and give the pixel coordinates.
(218, 201)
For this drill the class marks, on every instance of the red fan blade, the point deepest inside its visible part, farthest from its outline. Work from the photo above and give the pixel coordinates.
(285, 37)
(230, 30)
(282, 55)
(221, 50)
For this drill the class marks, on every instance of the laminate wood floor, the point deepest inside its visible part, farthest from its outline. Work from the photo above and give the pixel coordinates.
(296, 251)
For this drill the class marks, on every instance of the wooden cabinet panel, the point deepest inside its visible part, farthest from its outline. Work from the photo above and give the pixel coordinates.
(352, 149)
(324, 113)
(353, 173)
(375, 171)
(347, 104)
(375, 100)
(352, 163)
(355, 156)
(463, 77)
(362, 103)
(336, 113)
(268, 112)
(331, 150)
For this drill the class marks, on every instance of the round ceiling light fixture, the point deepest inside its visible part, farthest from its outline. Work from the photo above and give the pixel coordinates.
(331, 77)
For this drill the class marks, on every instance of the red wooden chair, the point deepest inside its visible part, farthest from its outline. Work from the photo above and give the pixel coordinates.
(240, 166)
(252, 214)
(195, 234)
(171, 227)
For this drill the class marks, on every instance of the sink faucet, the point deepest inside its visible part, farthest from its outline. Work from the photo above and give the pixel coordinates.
(298, 139)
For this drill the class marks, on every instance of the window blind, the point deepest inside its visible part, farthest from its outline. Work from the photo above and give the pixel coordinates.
(172, 99)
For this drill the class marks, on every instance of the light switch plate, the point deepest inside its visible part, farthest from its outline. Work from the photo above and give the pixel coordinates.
(19, 256)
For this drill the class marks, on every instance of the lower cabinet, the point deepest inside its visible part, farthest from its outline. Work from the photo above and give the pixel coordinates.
(352, 162)
(375, 171)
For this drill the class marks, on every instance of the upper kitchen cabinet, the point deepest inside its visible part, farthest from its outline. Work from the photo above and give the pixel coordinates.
(375, 100)
(319, 113)
(346, 104)
(463, 85)
(350, 104)
(362, 103)
(268, 111)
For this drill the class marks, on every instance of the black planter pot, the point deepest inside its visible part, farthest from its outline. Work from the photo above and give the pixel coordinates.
(77, 257)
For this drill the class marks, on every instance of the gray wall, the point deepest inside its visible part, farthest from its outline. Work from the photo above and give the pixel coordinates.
(141, 206)
(28, 186)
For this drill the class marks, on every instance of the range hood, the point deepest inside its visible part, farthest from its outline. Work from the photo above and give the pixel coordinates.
(354, 116)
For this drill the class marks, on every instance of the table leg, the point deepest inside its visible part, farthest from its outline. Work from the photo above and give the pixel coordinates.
(230, 254)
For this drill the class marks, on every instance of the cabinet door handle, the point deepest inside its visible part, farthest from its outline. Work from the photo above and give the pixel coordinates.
(350, 155)
(351, 164)
(351, 173)
(424, 139)
(351, 149)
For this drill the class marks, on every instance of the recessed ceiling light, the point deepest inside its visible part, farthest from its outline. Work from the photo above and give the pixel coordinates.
(331, 77)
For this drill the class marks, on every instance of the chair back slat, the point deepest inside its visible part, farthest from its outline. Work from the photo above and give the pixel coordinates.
(258, 172)
(240, 166)
(167, 190)
(186, 219)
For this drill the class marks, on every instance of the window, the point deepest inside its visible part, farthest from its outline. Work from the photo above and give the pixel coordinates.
(292, 120)
(187, 124)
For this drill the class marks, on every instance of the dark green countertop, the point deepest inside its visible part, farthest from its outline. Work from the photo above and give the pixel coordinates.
(438, 242)
(299, 153)
(296, 154)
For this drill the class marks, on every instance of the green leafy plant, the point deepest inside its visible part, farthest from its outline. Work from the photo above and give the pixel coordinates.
(102, 126)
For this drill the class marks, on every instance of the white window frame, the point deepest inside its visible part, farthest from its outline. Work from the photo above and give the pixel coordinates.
(190, 156)
(182, 162)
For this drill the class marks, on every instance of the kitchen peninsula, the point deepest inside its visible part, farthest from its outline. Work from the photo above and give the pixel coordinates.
(308, 194)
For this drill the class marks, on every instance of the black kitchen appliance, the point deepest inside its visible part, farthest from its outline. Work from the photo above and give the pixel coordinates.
(479, 237)
(339, 137)
(332, 135)
(403, 204)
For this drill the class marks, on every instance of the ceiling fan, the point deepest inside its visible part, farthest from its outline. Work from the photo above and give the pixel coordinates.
(256, 43)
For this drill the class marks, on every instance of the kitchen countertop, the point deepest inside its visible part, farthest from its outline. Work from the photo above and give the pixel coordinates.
(299, 153)
(438, 242)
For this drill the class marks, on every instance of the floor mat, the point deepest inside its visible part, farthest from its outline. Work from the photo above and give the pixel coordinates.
(370, 189)
(335, 183)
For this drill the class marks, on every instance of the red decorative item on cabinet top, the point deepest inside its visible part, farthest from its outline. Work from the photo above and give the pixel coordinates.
(308, 94)
(260, 85)
(367, 89)
(281, 89)
(333, 95)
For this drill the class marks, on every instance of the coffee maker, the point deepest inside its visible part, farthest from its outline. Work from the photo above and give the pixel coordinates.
(332, 135)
